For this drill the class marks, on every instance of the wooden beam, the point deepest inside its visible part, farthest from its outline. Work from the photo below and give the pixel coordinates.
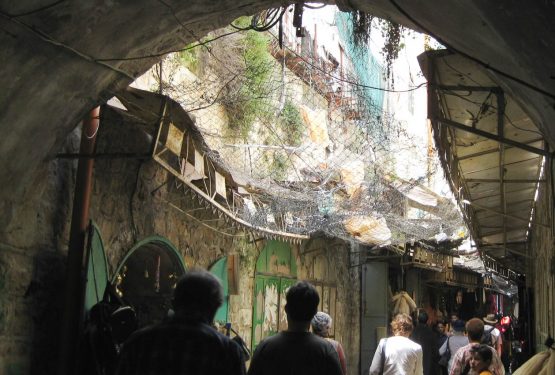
(493, 137)
(493, 150)
(495, 180)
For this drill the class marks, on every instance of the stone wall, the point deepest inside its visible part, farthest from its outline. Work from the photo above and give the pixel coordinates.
(32, 267)
(130, 201)
(541, 265)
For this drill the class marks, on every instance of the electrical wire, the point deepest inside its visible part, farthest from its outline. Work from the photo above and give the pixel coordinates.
(259, 22)
(48, 39)
(35, 10)
(470, 57)
(274, 14)
(510, 122)
(166, 52)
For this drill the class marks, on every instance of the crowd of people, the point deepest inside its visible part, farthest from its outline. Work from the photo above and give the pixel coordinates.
(187, 343)
(471, 348)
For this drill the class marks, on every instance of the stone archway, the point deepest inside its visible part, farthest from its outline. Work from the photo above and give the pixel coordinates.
(146, 278)
(60, 60)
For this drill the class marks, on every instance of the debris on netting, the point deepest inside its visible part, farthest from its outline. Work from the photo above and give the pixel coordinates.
(311, 141)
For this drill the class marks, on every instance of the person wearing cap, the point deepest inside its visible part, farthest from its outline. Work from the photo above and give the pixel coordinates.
(455, 342)
(496, 339)
(321, 324)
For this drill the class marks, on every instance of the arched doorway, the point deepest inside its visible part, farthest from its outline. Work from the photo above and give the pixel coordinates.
(147, 276)
(275, 272)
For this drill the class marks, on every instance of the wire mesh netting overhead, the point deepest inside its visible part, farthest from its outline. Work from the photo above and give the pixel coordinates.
(307, 133)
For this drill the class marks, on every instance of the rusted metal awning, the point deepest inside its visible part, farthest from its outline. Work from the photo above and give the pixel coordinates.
(491, 151)
(180, 148)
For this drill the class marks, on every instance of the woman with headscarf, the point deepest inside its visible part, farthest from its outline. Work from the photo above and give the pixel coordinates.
(321, 324)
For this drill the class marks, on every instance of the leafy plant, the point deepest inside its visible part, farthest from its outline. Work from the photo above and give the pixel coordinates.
(279, 166)
(292, 124)
(190, 59)
(249, 100)
(391, 32)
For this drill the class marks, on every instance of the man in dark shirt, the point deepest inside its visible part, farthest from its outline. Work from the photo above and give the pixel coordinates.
(296, 351)
(423, 335)
(185, 343)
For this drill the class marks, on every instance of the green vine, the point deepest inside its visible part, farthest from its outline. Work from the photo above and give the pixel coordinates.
(292, 124)
(190, 59)
(391, 32)
(249, 100)
(279, 166)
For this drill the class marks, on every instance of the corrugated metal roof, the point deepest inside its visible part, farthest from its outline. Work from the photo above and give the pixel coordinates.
(491, 151)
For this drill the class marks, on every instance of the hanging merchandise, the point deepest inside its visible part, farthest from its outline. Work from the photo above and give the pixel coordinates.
(403, 303)
(459, 297)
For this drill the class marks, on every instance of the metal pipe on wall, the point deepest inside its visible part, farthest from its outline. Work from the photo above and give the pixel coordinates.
(75, 268)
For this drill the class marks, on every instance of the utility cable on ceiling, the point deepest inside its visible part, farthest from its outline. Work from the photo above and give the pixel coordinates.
(37, 10)
(48, 39)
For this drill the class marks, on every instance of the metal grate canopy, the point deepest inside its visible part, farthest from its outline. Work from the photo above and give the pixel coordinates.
(492, 153)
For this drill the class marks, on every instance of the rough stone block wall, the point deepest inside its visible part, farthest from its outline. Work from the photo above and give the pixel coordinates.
(33, 240)
(541, 266)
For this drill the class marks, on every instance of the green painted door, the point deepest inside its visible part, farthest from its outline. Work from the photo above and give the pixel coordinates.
(97, 269)
(219, 269)
(266, 308)
(276, 271)
(285, 284)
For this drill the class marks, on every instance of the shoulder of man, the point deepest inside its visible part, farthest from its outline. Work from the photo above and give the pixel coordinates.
(143, 334)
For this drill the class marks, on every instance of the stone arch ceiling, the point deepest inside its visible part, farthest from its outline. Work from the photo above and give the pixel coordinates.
(50, 78)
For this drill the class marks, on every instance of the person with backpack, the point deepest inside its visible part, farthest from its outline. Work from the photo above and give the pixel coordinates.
(453, 343)
(461, 361)
(492, 336)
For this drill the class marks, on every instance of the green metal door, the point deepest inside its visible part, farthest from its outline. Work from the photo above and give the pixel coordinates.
(97, 269)
(219, 269)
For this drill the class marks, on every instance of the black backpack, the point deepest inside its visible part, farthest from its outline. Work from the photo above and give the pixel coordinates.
(487, 337)
(109, 324)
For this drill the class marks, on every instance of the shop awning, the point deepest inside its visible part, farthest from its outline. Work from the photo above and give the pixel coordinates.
(491, 151)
